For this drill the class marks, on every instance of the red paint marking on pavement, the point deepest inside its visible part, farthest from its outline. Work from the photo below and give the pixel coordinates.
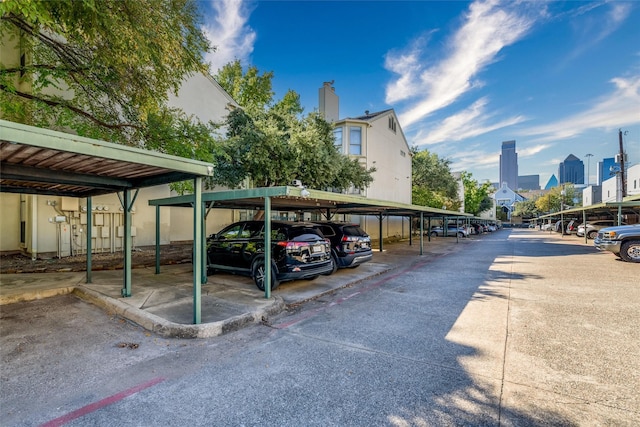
(101, 404)
(374, 285)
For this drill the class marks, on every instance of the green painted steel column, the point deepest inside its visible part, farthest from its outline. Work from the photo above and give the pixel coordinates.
(197, 251)
(380, 230)
(89, 237)
(126, 286)
(429, 230)
(410, 231)
(584, 221)
(421, 232)
(157, 239)
(203, 243)
(267, 247)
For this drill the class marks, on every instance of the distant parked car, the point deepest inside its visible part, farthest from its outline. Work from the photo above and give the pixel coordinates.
(452, 231)
(593, 227)
(572, 227)
(298, 251)
(350, 244)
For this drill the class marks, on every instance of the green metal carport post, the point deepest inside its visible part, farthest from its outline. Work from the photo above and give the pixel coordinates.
(89, 237)
(421, 232)
(197, 251)
(267, 247)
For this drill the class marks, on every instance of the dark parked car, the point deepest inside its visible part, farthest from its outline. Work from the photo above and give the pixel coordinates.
(350, 244)
(298, 251)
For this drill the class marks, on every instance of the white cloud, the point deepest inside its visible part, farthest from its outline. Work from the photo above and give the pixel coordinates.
(620, 108)
(593, 28)
(228, 31)
(466, 124)
(489, 26)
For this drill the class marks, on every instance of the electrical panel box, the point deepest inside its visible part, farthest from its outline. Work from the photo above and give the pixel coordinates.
(98, 219)
(104, 232)
(83, 218)
(69, 203)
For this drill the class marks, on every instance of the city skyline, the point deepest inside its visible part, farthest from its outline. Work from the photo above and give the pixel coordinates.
(558, 77)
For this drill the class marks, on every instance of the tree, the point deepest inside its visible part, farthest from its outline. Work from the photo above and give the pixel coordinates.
(554, 200)
(105, 70)
(527, 209)
(476, 196)
(272, 143)
(432, 182)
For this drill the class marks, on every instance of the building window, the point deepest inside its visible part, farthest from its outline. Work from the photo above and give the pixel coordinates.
(355, 140)
(392, 124)
(337, 135)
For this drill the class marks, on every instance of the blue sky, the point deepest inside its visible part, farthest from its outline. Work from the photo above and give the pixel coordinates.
(559, 77)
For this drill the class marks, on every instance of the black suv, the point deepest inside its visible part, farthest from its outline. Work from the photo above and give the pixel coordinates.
(298, 251)
(350, 244)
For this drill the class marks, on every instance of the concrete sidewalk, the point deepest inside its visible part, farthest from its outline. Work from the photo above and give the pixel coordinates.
(163, 303)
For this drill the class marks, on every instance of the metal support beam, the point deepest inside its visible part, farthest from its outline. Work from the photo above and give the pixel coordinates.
(410, 231)
(89, 238)
(158, 239)
(197, 251)
(267, 247)
(584, 221)
(421, 232)
(380, 231)
(127, 205)
(428, 229)
(203, 243)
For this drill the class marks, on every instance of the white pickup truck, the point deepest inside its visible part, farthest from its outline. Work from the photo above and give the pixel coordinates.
(623, 241)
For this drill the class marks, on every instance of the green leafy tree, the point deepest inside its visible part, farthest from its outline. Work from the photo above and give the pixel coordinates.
(432, 182)
(104, 69)
(476, 196)
(273, 143)
(554, 199)
(527, 208)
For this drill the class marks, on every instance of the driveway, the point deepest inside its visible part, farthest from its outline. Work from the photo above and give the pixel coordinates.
(517, 327)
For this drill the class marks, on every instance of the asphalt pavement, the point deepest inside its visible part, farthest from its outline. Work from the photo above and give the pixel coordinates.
(514, 328)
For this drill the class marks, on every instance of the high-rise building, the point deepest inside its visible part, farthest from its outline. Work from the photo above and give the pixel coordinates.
(571, 170)
(509, 165)
(528, 182)
(553, 182)
(604, 169)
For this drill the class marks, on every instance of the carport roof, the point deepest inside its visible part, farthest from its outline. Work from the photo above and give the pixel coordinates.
(42, 161)
(289, 198)
(630, 204)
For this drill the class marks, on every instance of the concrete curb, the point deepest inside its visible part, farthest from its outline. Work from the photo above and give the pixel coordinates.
(35, 295)
(166, 328)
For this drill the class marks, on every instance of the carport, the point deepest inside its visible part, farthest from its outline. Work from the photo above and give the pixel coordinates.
(299, 199)
(45, 162)
(629, 206)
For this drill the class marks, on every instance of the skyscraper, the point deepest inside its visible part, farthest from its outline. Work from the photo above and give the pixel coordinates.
(509, 165)
(604, 169)
(571, 170)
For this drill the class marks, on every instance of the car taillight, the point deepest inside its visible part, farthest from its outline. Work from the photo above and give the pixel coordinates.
(292, 245)
(349, 238)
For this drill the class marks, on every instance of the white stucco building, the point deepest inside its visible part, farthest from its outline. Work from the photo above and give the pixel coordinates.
(376, 140)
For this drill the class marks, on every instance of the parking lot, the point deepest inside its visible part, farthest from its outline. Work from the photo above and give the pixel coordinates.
(518, 327)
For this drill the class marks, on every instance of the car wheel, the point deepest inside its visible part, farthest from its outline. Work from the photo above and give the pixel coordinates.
(460, 234)
(258, 274)
(630, 251)
(434, 234)
(592, 234)
(334, 263)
